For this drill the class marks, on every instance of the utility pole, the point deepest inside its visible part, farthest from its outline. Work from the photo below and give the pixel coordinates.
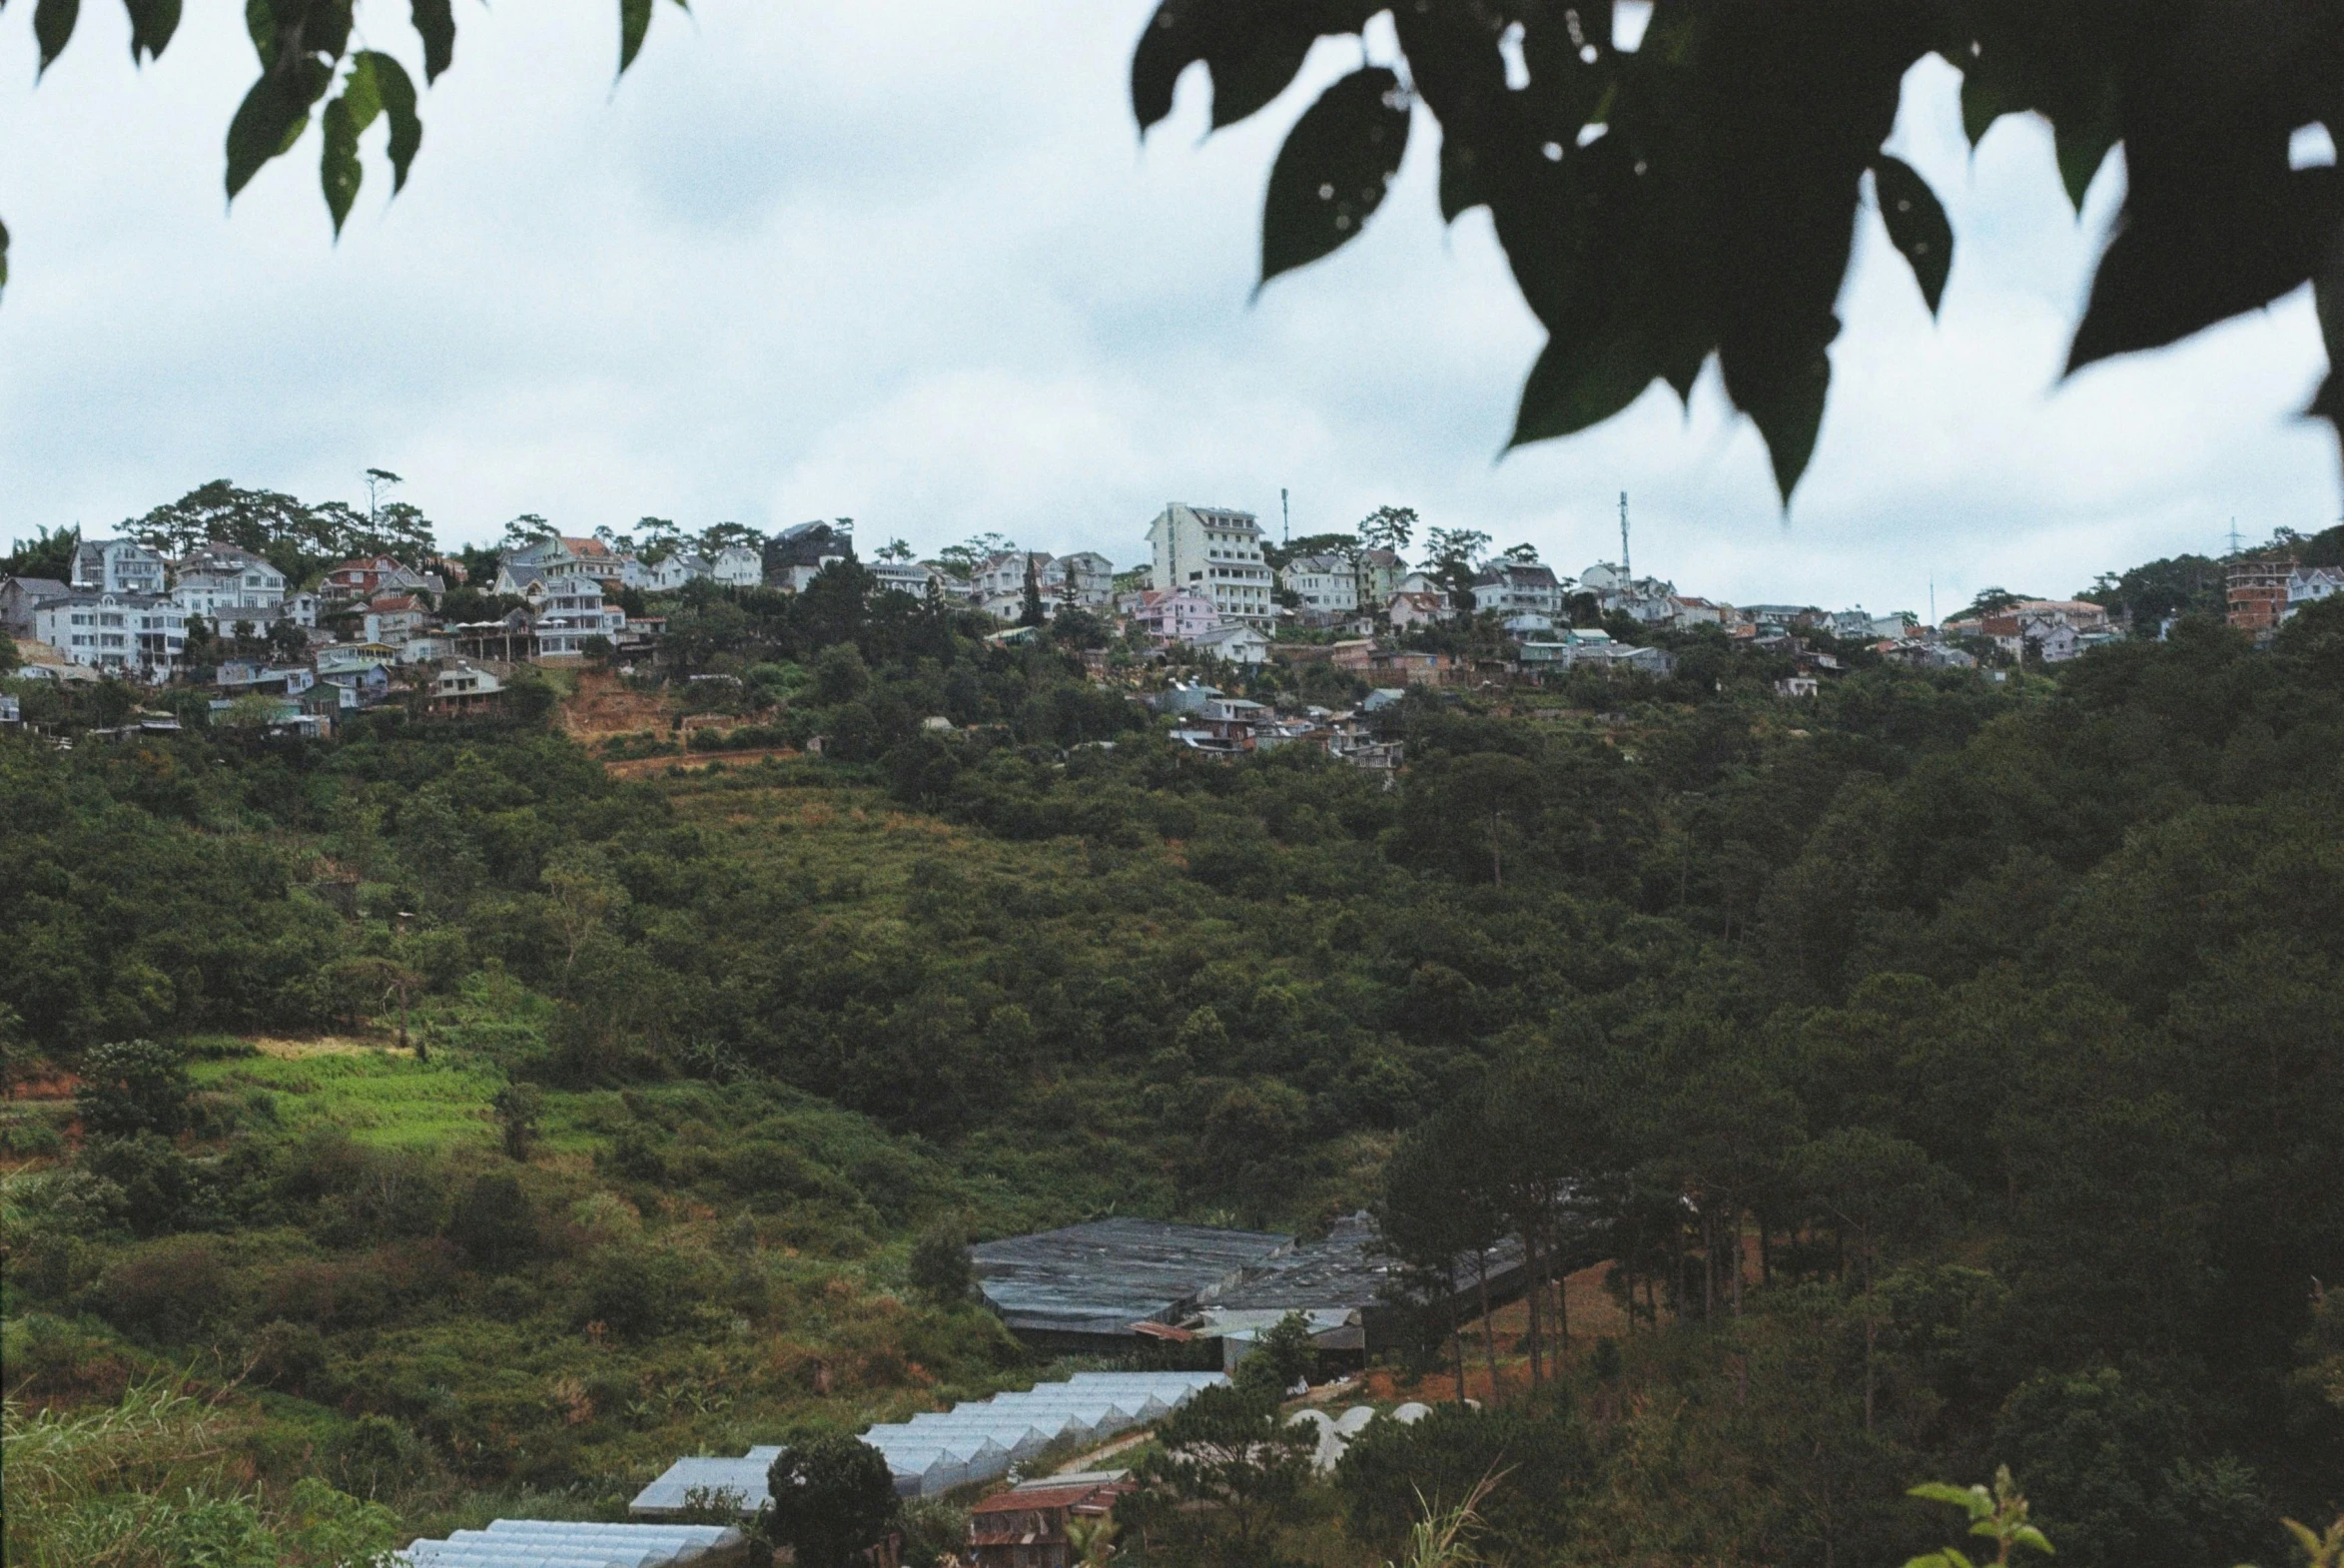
(1625, 571)
(1286, 518)
(1933, 599)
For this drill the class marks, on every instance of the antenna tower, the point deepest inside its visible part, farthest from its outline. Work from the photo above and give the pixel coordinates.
(1286, 517)
(2237, 544)
(1625, 573)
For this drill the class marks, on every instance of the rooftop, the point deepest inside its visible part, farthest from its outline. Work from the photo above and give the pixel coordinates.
(1103, 1276)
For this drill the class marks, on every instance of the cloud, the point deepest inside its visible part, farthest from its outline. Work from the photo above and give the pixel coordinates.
(908, 263)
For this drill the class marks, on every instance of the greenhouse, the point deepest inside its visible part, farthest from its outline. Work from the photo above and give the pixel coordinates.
(539, 1543)
(977, 1441)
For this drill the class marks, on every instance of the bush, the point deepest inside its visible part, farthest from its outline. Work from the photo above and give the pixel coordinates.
(161, 1188)
(133, 1086)
(166, 1292)
(289, 1357)
(629, 1293)
(494, 1222)
(1444, 1456)
(940, 1264)
(374, 1456)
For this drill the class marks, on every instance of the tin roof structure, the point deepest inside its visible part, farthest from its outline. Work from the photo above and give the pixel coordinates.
(1343, 1271)
(977, 1441)
(541, 1544)
(1105, 1276)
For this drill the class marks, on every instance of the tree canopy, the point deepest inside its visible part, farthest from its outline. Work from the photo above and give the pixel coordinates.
(1695, 192)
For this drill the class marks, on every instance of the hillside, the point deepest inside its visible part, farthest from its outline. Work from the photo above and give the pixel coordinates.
(1958, 1066)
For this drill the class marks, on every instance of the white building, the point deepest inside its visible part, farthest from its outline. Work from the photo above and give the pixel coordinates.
(223, 578)
(1327, 585)
(997, 584)
(569, 614)
(557, 556)
(904, 576)
(1525, 595)
(2309, 584)
(738, 566)
(1239, 643)
(1216, 552)
(117, 566)
(129, 634)
(1086, 578)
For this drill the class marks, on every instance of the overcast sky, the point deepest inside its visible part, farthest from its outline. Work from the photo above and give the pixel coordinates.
(907, 263)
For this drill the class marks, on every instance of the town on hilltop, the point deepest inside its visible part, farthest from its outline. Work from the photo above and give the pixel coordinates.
(276, 632)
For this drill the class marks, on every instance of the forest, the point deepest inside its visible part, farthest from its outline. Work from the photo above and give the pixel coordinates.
(456, 1119)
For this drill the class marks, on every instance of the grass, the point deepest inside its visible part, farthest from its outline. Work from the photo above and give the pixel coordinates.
(380, 1097)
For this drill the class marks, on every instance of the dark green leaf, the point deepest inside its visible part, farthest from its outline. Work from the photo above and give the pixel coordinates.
(2232, 238)
(272, 118)
(2082, 138)
(1246, 83)
(53, 27)
(260, 24)
(1166, 47)
(361, 93)
(396, 92)
(1334, 169)
(634, 20)
(1253, 50)
(1917, 224)
(1986, 98)
(3, 255)
(436, 25)
(151, 22)
(1463, 187)
(1786, 403)
(2327, 295)
(339, 171)
(1576, 386)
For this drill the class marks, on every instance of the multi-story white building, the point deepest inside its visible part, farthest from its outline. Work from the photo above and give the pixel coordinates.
(903, 576)
(2309, 584)
(223, 578)
(557, 556)
(1527, 596)
(1086, 578)
(738, 566)
(130, 633)
(1327, 585)
(1216, 552)
(117, 566)
(997, 584)
(570, 612)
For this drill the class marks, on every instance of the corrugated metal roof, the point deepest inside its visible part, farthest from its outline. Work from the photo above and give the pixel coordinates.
(1102, 1276)
(544, 1543)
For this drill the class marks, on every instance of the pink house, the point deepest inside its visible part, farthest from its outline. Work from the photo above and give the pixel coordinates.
(1176, 614)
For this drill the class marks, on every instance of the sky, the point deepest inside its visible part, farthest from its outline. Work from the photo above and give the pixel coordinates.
(909, 262)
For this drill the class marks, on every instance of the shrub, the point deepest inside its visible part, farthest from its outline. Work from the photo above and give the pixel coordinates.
(493, 1222)
(164, 1292)
(160, 1188)
(1445, 1455)
(133, 1086)
(289, 1357)
(940, 1264)
(375, 1455)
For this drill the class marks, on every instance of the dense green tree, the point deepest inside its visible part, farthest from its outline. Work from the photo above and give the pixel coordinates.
(133, 1086)
(832, 1499)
